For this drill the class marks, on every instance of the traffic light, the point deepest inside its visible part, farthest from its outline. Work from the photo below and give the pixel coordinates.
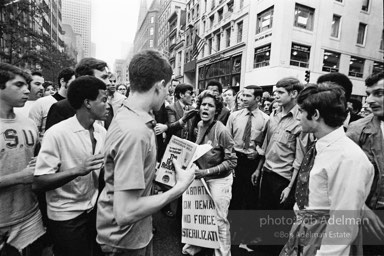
(307, 75)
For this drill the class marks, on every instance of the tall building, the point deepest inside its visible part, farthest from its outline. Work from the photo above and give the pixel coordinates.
(52, 21)
(223, 27)
(288, 38)
(79, 13)
(146, 34)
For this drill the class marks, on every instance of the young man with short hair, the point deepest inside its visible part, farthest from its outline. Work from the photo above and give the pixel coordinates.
(333, 181)
(125, 206)
(40, 109)
(114, 98)
(68, 168)
(217, 88)
(284, 148)
(88, 66)
(36, 89)
(368, 133)
(20, 218)
(229, 98)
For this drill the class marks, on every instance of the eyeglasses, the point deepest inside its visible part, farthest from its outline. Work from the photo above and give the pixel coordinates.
(122, 89)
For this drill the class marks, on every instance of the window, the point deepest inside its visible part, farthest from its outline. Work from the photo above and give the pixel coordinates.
(152, 19)
(300, 55)
(378, 67)
(239, 32)
(335, 26)
(361, 33)
(304, 17)
(220, 14)
(211, 19)
(382, 41)
(365, 5)
(151, 31)
(356, 67)
(264, 20)
(151, 43)
(228, 37)
(262, 56)
(209, 46)
(218, 41)
(331, 61)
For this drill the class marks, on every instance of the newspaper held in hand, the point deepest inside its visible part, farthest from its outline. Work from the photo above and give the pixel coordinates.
(185, 152)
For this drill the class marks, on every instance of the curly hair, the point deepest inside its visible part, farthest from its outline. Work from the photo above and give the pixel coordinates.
(217, 99)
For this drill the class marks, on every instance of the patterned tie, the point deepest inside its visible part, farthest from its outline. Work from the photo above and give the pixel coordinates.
(247, 131)
(302, 189)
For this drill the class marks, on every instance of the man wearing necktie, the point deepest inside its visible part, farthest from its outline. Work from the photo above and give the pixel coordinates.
(247, 128)
(333, 182)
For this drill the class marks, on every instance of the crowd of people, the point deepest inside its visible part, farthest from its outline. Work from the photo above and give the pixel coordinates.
(77, 161)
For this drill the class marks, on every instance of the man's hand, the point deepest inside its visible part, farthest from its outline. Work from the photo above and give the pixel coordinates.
(284, 194)
(374, 225)
(28, 173)
(255, 177)
(160, 128)
(184, 178)
(199, 173)
(189, 114)
(92, 163)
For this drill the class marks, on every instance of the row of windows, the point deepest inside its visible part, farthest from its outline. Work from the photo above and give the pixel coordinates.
(300, 56)
(304, 18)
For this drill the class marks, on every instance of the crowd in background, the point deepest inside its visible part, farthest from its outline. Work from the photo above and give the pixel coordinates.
(78, 159)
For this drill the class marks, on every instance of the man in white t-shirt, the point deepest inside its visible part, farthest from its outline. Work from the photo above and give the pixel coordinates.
(68, 168)
(39, 111)
(21, 223)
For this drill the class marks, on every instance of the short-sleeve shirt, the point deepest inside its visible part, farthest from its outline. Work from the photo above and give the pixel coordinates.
(17, 144)
(66, 145)
(130, 159)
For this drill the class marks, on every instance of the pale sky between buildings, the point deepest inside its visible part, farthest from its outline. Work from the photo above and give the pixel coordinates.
(113, 23)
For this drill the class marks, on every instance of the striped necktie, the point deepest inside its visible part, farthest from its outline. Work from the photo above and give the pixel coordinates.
(302, 186)
(247, 131)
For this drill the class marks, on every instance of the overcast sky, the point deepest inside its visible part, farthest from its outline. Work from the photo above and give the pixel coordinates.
(113, 23)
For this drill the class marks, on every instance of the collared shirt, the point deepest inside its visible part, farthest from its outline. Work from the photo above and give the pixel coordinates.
(340, 181)
(284, 144)
(236, 125)
(66, 145)
(116, 100)
(130, 159)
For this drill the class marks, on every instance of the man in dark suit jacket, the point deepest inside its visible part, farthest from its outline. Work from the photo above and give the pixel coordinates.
(88, 66)
(180, 113)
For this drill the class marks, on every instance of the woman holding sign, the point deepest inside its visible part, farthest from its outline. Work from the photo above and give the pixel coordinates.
(216, 166)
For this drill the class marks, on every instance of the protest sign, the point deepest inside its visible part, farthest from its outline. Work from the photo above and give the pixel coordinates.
(185, 152)
(199, 217)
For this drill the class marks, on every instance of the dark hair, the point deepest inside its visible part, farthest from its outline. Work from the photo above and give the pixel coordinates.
(146, 68)
(230, 89)
(217, 99)
(329, 101)
(82, 88)
(46, 84)
(271, 106)
(86, 66)
(182, 88)
(8, 72)
(257, 90)
(66, 74)
(374, 78)
(339, 79)
(37, 73)
(215, 83)
(356, 104)
(126, 89)
(290, 84)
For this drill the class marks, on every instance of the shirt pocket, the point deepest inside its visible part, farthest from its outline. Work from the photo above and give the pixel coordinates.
(287, 137)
